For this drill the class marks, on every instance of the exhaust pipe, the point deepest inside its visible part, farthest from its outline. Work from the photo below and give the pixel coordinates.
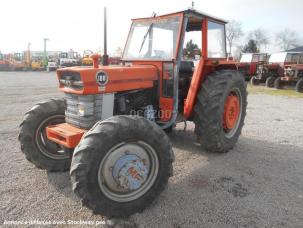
(105, 56)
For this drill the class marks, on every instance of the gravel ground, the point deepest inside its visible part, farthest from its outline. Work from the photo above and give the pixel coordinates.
(257, 184)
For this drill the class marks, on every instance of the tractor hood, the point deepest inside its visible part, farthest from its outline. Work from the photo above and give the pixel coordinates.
(106, 79)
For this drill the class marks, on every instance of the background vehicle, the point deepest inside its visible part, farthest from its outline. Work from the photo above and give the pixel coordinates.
(86, 59)
(293, 74)
(37, 62)
(4, 63)
(249, 64)
(124, 160)
(275, 67)
(68, 59)
(52, 63)
(18, 61)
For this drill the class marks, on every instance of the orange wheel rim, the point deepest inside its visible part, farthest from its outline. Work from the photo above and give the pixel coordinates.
(231, 112)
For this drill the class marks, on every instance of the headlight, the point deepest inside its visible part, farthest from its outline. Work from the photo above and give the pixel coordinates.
(71, 79)
(289, 72)
(86, 109)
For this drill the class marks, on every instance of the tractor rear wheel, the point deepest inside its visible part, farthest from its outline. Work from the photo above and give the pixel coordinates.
(42, 152)
(220, 110)
(254, 81)
(270, 82)
(278, 84)
(299, 86)
(121, 165)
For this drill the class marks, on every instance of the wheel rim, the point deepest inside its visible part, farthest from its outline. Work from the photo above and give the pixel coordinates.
(128, 171)
(232, 112)
(47, 147)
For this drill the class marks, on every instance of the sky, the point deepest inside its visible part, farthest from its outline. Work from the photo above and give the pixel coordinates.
(78, 24)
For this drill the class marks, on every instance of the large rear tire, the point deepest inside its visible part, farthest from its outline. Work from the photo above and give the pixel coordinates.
(299, 86)
(37, 148)
(121, 165)
(220, 110)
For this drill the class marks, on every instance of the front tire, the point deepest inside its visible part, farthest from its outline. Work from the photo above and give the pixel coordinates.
(40, 151)
(254, 81)
(121, 165)
(299, 86)
(270, 82)
(278, 83)
(220, 110)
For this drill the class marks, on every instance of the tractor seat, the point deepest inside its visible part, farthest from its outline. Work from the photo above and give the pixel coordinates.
(186, 67)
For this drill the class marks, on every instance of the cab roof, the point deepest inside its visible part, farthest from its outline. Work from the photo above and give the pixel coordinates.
(194, 16)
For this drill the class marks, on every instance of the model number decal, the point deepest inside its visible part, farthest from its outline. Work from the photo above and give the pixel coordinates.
(101, 78)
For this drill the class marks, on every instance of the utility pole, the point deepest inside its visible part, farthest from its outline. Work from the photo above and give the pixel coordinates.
(44, 53)
(105, 56)
(28, 55)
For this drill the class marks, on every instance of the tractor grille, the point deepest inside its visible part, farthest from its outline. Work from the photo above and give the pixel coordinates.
(93, 110)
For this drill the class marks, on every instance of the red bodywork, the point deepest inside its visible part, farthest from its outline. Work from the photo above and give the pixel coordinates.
(297, 70)
(140, 75)
(250, 69)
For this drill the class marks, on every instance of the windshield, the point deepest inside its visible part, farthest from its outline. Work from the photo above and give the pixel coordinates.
(292, 58)
(153, 39)
(18, 57)
(277, 57)
(63, 55)
(246, 58)
(87, 53)
(1, 56)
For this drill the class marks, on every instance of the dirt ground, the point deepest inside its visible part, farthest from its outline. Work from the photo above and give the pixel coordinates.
(257, 184)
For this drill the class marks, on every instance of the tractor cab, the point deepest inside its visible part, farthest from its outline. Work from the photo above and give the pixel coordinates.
(293, 72)
(18, 61)
(4, 63)
(18, 57)
(250, 63)
(36, 62)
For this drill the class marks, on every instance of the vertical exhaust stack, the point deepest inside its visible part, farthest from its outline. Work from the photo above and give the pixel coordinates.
(105, 56)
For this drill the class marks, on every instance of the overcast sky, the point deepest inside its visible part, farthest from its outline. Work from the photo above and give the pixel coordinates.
(78, 24)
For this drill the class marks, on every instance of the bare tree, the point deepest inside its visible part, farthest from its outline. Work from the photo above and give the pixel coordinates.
(260, 36)
(287, 39)
(233, 33)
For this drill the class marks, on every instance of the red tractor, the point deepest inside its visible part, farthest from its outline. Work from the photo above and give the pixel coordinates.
(249, 64)
(109, 129)
(293, 74)
(272, 71)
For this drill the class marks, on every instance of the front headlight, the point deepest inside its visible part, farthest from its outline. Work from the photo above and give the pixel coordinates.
(71, 80)
(289, 72)
(86, 109)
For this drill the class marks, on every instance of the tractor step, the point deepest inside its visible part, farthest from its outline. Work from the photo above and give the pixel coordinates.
(65, 134)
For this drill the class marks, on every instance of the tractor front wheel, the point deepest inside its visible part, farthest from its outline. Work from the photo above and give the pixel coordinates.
(254, 81)
(299, 86)
(121, 165)
(270, 82)
(220, 110)
(278, 84)
(42, 152)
